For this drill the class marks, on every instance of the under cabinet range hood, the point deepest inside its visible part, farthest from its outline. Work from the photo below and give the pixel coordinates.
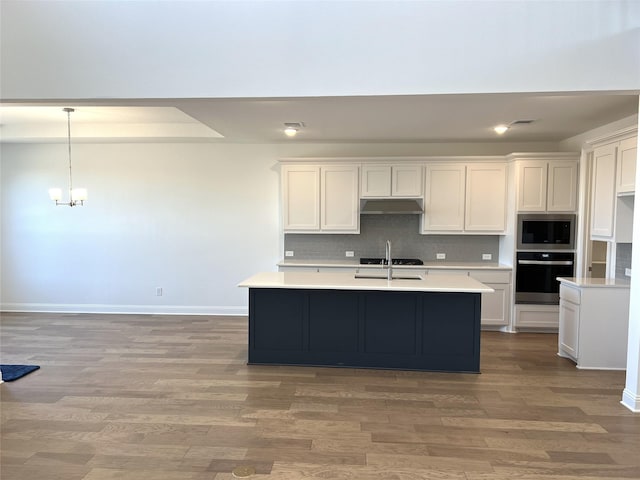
(390, 206)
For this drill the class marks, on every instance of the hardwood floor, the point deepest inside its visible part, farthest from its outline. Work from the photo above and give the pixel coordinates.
(151, 397)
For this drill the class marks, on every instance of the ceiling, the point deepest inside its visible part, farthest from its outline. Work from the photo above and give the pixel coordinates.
(420, 118)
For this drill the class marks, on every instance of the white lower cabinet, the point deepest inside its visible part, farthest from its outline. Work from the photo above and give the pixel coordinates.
(594, 323)
(296, 268)
(568, 329)
(495, 306)
(316, 269)
(536, 317)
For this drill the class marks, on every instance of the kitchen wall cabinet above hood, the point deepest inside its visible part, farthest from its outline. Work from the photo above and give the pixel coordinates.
(390, 206)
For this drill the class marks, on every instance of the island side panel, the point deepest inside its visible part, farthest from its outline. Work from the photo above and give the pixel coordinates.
(276, 321)
(451, 331)
(373, 329)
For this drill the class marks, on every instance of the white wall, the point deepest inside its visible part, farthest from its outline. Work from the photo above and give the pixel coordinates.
(194, 219)
(631, 393)
(142, 49)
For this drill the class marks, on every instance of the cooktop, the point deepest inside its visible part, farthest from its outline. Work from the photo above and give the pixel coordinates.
(394, 261)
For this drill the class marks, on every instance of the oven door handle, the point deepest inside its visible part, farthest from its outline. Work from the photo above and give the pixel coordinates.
(545, 262)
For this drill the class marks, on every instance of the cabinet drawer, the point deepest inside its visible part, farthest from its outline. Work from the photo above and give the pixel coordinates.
(491, 276)
(570, 294)
(447, 272)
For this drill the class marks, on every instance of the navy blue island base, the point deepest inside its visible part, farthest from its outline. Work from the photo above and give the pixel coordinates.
(409, 330)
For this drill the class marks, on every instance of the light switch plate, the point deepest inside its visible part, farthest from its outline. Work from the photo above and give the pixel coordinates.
(288, 253)
(627, 272)
(348, 253)
(486, 256)
(441, 256)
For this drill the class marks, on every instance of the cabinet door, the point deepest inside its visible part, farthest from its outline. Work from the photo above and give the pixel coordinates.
(562, 186)
(486, 197)
(532, 186)
(444, 198)
(494, 308)
(406, 180)
(376, 181)
(627, 157)
(339, 199)
(568, 328)
(301, 197)
(603, 191)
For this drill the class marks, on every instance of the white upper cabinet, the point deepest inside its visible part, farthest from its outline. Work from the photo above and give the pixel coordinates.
(465, 198)
(532, 186)
(376, 181)
(613, 180)
(547, 185)
(339, 199)
(486, 196)
(380, 181)
(444, 198)
(320, 199)
(301, 197)
(562, 186)
(627, 158)
(603, 191)
(406, 181)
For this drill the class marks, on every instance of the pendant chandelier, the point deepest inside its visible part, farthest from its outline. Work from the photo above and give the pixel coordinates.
(77, 196)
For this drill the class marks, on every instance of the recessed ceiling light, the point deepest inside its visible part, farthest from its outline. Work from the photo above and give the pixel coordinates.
(291, 129)
(500, 129)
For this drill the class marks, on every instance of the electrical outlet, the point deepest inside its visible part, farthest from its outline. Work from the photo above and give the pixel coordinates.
(486, 256)
(441, 256)
(288, 253)
(627, 272)
(348, 253)
(158, 291)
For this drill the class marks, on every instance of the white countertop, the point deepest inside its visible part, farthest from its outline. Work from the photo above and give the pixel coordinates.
(587, 282)
(433, 265)
(348, 281)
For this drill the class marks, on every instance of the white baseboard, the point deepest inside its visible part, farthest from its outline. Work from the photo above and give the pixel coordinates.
(145, 309)
(631, 401)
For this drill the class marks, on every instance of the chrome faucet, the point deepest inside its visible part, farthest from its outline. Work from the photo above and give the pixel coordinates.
(387, 257)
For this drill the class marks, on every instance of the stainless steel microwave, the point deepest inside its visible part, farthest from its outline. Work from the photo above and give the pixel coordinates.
(539, 231)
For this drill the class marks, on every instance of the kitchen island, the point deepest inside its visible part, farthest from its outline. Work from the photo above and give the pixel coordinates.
(337, 319)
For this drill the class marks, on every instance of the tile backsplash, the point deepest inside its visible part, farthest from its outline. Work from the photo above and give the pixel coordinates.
(406, 242)
(623, 259)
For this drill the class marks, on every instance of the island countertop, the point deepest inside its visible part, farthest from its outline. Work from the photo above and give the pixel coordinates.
(349, 281)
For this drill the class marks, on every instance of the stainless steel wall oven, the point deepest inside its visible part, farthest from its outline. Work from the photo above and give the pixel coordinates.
(536, 274)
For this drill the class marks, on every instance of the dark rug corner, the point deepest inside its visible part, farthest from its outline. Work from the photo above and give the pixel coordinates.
(14, 372)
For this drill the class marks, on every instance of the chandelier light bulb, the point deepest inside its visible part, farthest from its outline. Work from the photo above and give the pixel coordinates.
(79, 194)
(55, 194)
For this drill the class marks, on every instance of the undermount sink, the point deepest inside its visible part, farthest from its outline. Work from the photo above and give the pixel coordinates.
(384, 277)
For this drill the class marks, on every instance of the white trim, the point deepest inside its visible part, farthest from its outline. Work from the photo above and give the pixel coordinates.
(631, 401)
(396, 159)
(125, 309)
(612, 137)
(517, 156)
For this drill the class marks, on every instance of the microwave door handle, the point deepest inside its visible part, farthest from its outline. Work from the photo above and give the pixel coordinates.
(545, 262)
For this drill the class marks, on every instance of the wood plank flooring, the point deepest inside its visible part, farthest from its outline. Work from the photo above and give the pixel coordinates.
(149, 397)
